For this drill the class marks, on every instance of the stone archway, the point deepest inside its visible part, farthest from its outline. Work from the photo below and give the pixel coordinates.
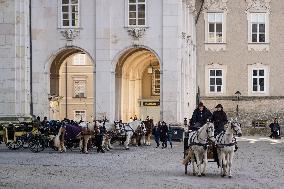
(138, 86)
(71, 87)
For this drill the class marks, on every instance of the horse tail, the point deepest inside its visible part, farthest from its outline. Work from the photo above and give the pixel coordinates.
(187, 159)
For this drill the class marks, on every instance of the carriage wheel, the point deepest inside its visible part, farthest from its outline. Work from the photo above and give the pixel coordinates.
(36, 145)
(14, 145)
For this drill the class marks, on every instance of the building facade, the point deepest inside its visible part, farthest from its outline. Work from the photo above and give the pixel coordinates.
(142, 53)
(240, 58)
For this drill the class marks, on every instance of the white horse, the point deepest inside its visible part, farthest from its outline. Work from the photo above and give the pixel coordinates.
(198, 145)
(226, 143)
(130, 129)
(110, 129)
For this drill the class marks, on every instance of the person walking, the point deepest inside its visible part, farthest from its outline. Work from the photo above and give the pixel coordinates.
(157, 133)
(170, 135)
(164, 135)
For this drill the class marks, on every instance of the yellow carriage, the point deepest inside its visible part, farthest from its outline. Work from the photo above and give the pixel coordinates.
(14, 130)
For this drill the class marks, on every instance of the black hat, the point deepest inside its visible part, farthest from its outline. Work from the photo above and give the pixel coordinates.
(219, 106)
(200, 104)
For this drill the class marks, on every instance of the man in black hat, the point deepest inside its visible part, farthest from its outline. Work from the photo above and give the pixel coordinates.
(219, 119)
(200, 116)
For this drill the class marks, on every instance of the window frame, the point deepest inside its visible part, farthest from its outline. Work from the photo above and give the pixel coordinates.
(258, 33)
(215, 27)
(78, 56)
(85, 112)
(215, 77)
(69, 14)
(127, 23)
(154, 80)
(258, 77)
(85, 93)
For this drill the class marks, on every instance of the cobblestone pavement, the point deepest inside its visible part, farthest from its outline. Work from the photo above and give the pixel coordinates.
(258, 164)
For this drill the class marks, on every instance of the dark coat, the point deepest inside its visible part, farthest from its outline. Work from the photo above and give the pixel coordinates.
(164, 133)
(219, 119)
(274, 127)
(201, 116)
(156, 132)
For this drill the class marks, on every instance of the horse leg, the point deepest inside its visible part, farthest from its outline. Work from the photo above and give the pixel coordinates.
(144, 140)
(222, 163)
(205, 160)
(128, 138)
(230, 162)
(193, 164)
(86, 140)
(198, 163)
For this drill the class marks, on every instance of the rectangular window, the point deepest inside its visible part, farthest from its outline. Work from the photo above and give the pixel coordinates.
(258, 34)
(215, 81)
(215, 27)
(70, 13)
(80, 88)
(79, 59)
(258, 80)
(80, 115)
(156, 82)
(136, 12)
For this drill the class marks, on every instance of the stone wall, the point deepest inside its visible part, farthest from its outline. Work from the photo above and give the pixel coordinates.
(251, 108)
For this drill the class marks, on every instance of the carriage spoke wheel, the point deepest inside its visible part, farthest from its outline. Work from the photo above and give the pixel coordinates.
(36, 145)
(14, 145)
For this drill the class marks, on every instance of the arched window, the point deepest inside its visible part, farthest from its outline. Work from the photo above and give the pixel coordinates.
(136, 12)
(70, 13)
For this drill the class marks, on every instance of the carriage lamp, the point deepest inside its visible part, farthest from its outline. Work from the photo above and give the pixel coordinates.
(238, 95)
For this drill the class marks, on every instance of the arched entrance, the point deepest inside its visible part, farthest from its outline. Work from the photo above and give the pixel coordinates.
(138, 85)
(72, 85)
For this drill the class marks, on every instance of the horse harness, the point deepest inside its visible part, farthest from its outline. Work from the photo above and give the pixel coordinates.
(195, 136)
(219, 140)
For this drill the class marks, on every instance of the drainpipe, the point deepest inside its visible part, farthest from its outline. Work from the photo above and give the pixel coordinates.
(66, 100)
(31, 59)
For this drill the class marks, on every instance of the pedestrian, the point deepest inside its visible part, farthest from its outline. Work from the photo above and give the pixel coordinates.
(157, 133)
(100, 131)
(200, 116)
(164, 135)
(170, 135)
(275, 129)
(219, 119)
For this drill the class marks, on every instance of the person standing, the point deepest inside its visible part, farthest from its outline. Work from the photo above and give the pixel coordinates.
(164, 135)
(157, 133)
(219, 119)
(170, 135)
(275, 129)
(200, 116)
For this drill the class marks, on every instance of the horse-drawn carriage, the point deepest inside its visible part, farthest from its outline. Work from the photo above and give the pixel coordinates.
(16, 131)
(202, 146)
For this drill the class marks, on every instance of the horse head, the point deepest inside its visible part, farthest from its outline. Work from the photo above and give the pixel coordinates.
(236, 127)
(210, 131)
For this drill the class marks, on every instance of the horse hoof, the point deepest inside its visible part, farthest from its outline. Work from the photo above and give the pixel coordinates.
(194, 174)
(222, 175)
(203, 174)
(199, 175)
(230, 176)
